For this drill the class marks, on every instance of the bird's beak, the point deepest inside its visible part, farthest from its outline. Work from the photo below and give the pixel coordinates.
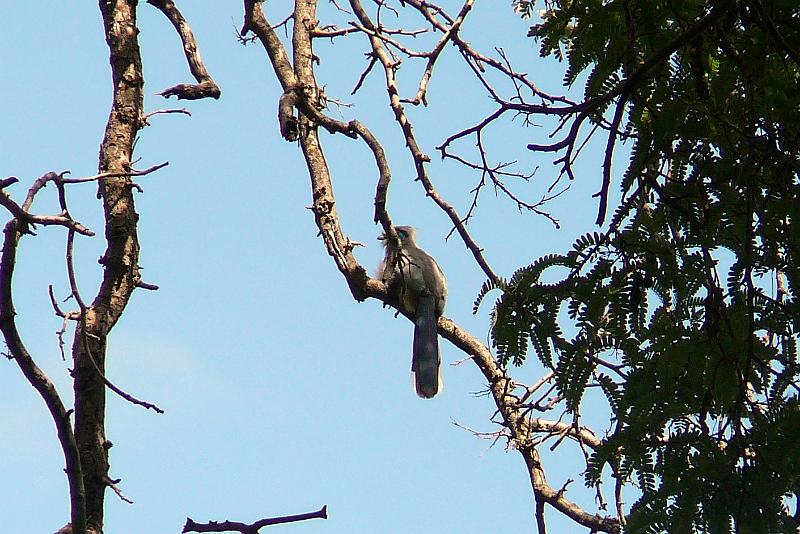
(382, 237)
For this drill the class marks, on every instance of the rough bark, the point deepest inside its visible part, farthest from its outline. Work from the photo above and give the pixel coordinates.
(120, 260)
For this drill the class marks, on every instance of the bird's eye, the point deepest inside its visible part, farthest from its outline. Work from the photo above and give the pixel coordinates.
(402, 234)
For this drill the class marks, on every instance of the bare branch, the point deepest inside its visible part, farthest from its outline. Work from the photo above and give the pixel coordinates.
(417, 155)
(530, 390)
(145, 285)
(26, 219)
(122, 394)
(494, 436)
(37, 186)
(372, 62)
(471, 130)
(429, 11)
(38, 379)
(251, 528)
(84, 335)
(580, 434)
(66, 318)
(255, 21)
(205, 86)
(448, 35)
(105, 175)
(520, 428)
(284, 23)
(381, 35)
(541, 526)
(331, 32)
(113, 485)
(146, 117)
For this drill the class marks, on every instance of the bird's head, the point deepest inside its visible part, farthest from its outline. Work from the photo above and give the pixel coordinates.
(404, 234)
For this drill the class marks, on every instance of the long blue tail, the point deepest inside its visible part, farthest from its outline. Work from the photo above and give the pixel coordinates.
(425, 359)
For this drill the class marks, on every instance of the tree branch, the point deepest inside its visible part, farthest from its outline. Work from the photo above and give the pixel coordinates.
(251, 528)
(612, 139)
(301, 76)
(26, 219)
(420, 159)
(205, 86)
(38, 379)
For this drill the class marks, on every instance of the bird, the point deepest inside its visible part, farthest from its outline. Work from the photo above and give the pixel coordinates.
(420, 287)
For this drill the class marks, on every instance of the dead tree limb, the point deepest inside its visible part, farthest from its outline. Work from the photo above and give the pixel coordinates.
(206, 86)
(38, 379)
(251, 528)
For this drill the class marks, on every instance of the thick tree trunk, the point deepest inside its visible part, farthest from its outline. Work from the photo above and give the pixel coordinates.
(120, 260)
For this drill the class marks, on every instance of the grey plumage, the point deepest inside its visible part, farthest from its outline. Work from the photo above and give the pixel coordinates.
(421, 289)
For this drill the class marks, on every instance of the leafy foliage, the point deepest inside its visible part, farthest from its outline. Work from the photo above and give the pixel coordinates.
(684, 311)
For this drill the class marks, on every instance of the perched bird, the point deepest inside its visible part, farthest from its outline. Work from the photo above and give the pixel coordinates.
(415, 278)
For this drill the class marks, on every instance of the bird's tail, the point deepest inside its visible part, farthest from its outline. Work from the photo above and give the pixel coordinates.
(425, 359)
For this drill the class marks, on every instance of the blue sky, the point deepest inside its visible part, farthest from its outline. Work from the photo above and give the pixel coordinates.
(281, 392)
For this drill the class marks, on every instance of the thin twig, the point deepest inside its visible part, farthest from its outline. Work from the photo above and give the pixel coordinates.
(66, 316)
(113, 485)
(146, 116)
(73, 284)
(104, 175)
